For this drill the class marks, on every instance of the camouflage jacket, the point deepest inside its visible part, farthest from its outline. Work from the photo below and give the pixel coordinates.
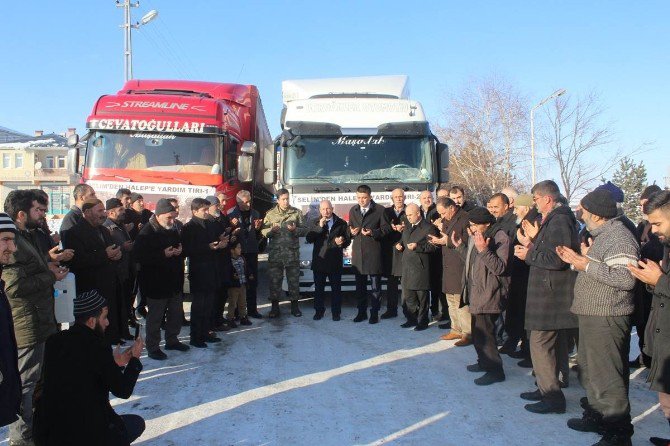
(284, 241)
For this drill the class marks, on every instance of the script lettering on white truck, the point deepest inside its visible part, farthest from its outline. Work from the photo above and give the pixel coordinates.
(371, 141)
(150, 125)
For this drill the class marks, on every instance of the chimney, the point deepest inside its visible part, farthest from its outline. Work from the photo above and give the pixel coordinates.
(70, 131)
(39, 132)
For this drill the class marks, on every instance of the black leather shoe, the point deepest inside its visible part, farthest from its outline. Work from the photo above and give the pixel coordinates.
(519, 354)
(421, 327)
(245, 321)
(374, 318)
(318, 315)
(507, 348)
(545, 407)
(658, 441)
(361, 316)
(158, 355)
(476, 368)
(590, 422)
(336, 316)
(490, 378)
(445, 326)
(526, 363)
(178, 346)
(535, 395)
(389, 314)
(409, 324)
(198, 344)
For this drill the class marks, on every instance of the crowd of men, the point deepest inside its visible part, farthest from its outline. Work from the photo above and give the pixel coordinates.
(523, 275)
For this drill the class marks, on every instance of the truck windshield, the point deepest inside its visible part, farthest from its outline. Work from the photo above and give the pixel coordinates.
(355, 159)
(155, 152)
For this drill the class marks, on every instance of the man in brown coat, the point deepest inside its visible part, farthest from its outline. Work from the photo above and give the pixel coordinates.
(454, 227)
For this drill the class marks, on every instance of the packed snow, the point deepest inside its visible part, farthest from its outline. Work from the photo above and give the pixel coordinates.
(296, 381)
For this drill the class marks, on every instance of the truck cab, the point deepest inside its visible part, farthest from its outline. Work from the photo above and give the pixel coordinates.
(340, 133)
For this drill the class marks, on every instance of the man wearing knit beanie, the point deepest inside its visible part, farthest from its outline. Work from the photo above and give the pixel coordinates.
(614, 190)
(158, 251)
(71, 359)
(604, 305)
(10, 385)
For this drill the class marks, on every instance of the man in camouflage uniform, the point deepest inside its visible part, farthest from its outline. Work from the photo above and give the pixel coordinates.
(283, 225)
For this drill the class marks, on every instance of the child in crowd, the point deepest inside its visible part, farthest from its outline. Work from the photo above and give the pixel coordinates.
(237, 292)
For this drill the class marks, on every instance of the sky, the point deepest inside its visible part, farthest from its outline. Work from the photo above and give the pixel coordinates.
(59, 57)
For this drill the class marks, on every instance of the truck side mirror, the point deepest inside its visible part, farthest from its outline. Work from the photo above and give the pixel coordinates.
(248, 147)
(72, 160)
(269, 166)
(443, 165)
(245, 165)
(73, 140)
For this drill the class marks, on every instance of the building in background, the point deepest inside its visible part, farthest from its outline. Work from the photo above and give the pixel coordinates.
(37, 162)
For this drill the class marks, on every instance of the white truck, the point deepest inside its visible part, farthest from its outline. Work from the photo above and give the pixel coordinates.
(340, 133)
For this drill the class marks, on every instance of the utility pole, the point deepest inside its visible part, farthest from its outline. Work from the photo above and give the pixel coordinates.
(127, 33)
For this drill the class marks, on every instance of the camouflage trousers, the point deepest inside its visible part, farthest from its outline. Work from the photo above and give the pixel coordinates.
(276, 271)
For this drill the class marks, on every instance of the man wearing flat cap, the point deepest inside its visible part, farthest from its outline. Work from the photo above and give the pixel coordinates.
(486, 285)
(603, 303)
(79, 372)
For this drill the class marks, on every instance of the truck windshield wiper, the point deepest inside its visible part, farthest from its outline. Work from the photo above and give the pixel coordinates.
(118, 177)
(181, 180)
(382, 178)
(328, 180)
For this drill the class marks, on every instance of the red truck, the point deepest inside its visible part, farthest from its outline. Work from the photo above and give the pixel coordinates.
(183, 139)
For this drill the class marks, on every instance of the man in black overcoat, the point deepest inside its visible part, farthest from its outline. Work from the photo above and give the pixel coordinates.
(416, 257)
(158, 250)
(392, 258)
(200, 238)
(95, 264)
(368, 225)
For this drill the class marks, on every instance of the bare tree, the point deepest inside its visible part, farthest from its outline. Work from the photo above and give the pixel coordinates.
(578, 141)
(486, 129)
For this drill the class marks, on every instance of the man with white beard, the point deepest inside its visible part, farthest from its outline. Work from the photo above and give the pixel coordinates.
(158, 250)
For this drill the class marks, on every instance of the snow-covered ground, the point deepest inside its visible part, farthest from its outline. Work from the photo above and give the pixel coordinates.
(296, 381)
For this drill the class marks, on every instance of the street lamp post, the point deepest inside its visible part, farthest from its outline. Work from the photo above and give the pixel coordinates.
(555, 94)
(127, 36)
